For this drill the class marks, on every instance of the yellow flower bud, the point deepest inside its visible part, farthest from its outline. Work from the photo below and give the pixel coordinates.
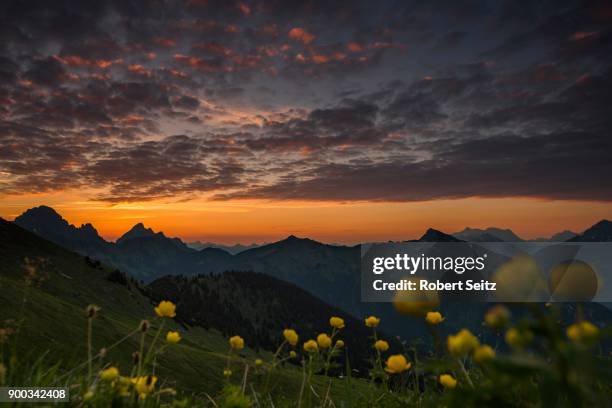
(518, 339)
(258, 362)
(166, 309)
(415, 303)
(339, 343)
(397, 364)
(236, 342)
(291, 336)
(292, 354)
(144, 385)
(173, 337)
(336, 322)
(311, 346)
(483, 353)
(497, 317)
(462, 343)
(324, 341)
(88, 395)
(448, 381)
(583, 332)
(434, 318)
(109, 374)
(372, 321)
(227, 373)
(381, 345)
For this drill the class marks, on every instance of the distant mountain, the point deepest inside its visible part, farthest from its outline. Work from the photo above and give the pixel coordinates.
(324, 270)
(600, 232)
(232, 249)
(259, 307)
(490, 234)
(433, 235)
(137, 231)
(46, 222)
(562, 236)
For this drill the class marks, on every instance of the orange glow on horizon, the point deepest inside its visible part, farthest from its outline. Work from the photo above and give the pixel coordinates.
(332, 222)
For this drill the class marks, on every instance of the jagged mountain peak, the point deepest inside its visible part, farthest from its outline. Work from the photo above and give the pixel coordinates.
(599, 232)
(47, 222)
(434, 235)
(137, 231)
(39, 214)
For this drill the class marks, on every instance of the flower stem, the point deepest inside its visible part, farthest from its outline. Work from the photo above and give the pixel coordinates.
(465, 373)
(89, 357)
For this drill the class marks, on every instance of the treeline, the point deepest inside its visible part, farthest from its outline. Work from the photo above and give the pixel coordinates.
(258, 307)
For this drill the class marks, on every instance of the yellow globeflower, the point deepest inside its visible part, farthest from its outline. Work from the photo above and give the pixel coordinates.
(291, 336)
(144, 385)
(258, 362)
(88, 395)
(292, 354)
(339, 343)
(573, 281)
(397, 364)
(462, 343)
(497, 317)
(311, 346)
(483, 353)
(434, 318)
(582, 332)
(520, 280)
(109, 374)
(173, 337)
(336, 322)
(381, 345)
(518, 339)
(415, 303)
(324, 341)
(236, 342)
(448, 381)
(166, 309)
(372, 321)
(123, 385)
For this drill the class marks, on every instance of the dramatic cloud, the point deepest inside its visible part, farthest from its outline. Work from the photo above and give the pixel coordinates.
(397, 101)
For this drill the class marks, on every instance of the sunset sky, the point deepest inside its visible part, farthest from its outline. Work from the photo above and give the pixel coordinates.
(342, 121)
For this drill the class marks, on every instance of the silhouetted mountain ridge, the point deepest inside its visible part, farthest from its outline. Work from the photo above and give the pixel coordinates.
(232, 249)
(599, 232)
(47, 223)
(137, 231)
(433, 235)
(491, 234)
(329, 272)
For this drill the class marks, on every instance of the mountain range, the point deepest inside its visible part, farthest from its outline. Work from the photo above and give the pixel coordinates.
(329, 272)
(232, 249)
(493, 234)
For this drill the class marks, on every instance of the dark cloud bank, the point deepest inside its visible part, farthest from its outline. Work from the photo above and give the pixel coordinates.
(382, 102)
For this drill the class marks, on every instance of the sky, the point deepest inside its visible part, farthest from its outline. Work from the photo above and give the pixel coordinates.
(342, 121)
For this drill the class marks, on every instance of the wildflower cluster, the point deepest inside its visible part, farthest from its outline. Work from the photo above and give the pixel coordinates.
(462, 370)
